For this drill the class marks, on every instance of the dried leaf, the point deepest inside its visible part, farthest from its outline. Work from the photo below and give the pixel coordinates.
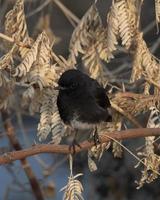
(151, 160)
(157, 10)
(73, 189)
(84, 33)
(30, 58)
(16, 27)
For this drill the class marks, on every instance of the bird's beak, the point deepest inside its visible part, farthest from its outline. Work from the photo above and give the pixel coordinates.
(59, 88)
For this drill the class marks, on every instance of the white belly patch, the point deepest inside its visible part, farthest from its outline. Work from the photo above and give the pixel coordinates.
(81, 125)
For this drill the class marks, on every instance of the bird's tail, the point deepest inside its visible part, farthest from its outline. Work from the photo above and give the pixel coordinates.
(109, 115)
(109, 118)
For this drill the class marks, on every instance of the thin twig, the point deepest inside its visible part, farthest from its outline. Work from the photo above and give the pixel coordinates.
(5, 37)
(73, 19)
(38, 9)
(135, 156)
(149, 27)
(155, 46)
(9, 39)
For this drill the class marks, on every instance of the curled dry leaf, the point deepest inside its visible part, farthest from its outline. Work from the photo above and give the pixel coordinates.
(30, 58)
(112, 33)
(157, 10)
(151, 160)
(44, 127)
(117, 149)
(135, 104)
(127, 22)
(6, 61)
(57, 127)
(50, 121)
(144, 63)
(16, 27)
(73, 189)
(84, 33)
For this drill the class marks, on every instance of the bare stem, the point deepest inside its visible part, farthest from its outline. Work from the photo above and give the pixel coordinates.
(74, 20)
(9, 39)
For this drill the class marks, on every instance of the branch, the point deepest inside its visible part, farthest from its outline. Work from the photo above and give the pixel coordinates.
(25, 164)
(38, 9)
(64, 149)
(73, 19)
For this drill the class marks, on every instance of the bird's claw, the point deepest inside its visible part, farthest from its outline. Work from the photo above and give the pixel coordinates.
(72, 146)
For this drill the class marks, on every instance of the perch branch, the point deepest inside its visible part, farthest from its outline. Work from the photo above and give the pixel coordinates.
(64, 149)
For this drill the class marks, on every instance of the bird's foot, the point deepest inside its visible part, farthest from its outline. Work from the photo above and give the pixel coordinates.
(72, 146)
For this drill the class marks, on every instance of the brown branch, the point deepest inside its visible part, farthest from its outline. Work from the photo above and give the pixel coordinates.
(64, 149)
(131, 95)
(25, 164)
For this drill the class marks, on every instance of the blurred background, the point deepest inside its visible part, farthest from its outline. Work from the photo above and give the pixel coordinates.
(115, 177)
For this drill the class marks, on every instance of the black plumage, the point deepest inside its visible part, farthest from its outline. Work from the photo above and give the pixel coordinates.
(82, 102)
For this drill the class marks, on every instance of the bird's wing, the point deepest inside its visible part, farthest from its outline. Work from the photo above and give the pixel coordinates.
(100, 95)
(91, 112)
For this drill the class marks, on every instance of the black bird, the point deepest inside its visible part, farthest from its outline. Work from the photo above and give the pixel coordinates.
(82, 102)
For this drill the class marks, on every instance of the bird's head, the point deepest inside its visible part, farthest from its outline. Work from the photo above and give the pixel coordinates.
(71, 80)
